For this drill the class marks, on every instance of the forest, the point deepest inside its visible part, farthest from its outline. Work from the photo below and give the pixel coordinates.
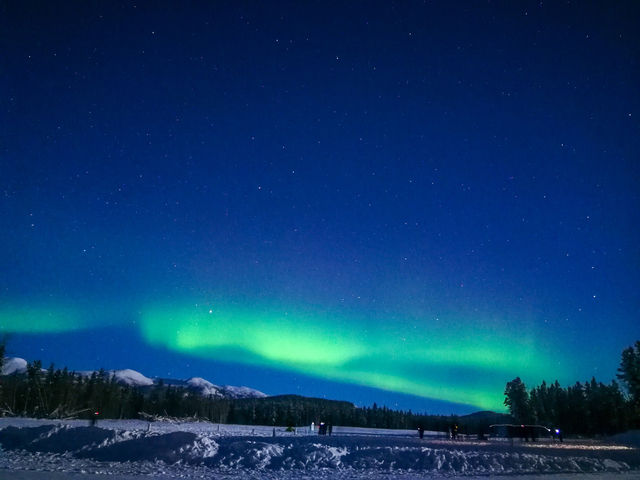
(60, 393)
(592, 408)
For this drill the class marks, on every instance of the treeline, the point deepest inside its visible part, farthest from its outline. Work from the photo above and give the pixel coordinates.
(590, 408)
(60, 393)
(290, 410)
(64, 394)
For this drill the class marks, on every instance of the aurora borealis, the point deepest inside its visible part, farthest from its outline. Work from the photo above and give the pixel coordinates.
(383, 355)
(409, 204)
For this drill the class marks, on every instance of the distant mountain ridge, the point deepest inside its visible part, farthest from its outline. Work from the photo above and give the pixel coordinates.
(14, 365)
(133, 378)
(247, 396)
(206, 388)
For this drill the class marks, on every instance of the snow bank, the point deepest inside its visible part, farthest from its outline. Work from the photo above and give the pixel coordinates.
(213, 451)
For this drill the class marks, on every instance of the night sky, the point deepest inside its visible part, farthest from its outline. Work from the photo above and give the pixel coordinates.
(405, 203)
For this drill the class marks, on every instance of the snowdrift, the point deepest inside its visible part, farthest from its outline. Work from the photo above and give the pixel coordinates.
(72, 445)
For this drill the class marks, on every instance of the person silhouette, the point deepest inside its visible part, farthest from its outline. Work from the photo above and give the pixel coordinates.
(94, 418)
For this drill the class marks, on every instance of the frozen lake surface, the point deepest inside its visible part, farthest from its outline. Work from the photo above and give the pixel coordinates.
(124, 449)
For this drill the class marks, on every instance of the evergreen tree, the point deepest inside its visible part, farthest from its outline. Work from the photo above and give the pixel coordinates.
(518, 402)
(3, 347)
(629, 374)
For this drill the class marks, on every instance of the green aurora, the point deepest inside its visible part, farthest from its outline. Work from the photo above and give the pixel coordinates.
(450, 361)
(40, 319)
(432, 362)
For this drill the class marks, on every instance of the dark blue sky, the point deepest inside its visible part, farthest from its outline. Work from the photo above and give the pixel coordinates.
(444, 195)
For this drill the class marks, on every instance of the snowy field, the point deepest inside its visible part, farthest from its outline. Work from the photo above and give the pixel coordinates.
(128, 449)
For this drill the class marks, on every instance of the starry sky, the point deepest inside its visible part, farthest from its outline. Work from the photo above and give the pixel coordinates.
(408, 203)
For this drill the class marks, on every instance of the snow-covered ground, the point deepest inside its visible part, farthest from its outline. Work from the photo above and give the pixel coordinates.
(133, 448)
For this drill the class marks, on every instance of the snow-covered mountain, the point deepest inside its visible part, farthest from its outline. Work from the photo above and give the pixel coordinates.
(131, 377)
(134, 378)
(203, 387)
(123, 377)
(230, 391)
(206, 388)
(13, 365)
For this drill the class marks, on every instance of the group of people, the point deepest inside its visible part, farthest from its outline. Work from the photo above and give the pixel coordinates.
(527, 433)
(323, 428)
(453, 431)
